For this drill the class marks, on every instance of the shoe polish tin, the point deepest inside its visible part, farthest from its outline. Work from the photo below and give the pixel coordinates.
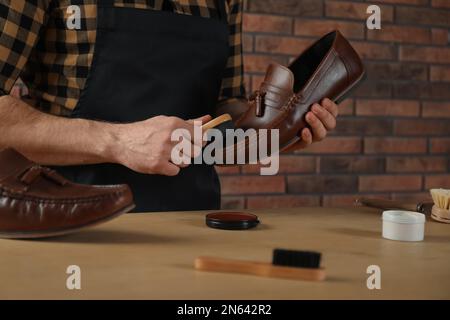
(232, 220)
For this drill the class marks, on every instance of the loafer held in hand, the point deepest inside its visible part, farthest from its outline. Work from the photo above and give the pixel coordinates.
(36, 202)
(330, 68)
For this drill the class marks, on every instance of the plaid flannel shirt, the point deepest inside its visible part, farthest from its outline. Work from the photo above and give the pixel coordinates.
(54, 61)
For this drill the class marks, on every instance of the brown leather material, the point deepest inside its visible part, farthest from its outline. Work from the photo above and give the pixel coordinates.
(327, 69)
(37, 202)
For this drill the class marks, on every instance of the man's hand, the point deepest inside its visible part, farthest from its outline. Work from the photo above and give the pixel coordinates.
(48, 140)
(321, 119)
(146, 146)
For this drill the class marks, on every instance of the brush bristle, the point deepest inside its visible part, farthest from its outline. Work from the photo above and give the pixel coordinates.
(299, 259)
(441, 198)
(227, 137)
(224, 126)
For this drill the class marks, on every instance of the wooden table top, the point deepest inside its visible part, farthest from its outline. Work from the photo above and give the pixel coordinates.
(151, 256)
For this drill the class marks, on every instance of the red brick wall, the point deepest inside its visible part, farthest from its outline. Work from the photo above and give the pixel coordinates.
(393, 136)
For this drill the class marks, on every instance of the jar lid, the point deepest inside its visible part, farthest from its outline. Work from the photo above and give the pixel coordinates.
(231, 220)
(407, 217)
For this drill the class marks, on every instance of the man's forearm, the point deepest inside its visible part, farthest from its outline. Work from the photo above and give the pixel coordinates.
(51, 140)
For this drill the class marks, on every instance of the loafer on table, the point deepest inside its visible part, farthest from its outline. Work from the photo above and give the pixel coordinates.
(36, 202)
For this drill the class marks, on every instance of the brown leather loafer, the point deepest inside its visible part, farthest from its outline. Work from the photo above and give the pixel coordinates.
(36, 202)
(329, 68)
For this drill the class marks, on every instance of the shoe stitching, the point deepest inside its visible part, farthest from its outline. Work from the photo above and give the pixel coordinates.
(4, 192)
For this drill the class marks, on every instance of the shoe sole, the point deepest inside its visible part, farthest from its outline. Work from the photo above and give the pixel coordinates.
(61, 232)
(344, 95)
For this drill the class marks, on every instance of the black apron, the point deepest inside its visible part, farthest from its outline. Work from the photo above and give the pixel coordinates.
(149, 63)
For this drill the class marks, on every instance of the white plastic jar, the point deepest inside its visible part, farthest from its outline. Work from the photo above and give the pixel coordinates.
(403, 225)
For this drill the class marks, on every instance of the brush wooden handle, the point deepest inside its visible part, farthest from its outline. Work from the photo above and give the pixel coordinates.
(258, 269)
(424, 207)
(386, 204)
(216, 122)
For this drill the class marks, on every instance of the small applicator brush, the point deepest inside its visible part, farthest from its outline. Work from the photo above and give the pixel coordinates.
(221, 123)
(287, 264)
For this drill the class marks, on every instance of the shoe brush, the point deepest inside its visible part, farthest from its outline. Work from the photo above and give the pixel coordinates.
(221, 123)
(441, 208)
(225, 125)
(286, 264)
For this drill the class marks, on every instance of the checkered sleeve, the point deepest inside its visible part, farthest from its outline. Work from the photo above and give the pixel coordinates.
(20, 24)
(233, 81)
